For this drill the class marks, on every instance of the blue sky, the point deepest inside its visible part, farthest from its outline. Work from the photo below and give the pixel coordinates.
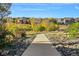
(56, 10)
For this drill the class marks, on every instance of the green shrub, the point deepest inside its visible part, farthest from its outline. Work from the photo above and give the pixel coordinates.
(52, 29)
(6, 37)
(24, 26)
(9, 37)
(41, 28)
(73, 30)
(53, 26)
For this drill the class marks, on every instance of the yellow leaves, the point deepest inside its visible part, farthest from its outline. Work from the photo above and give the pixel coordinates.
(24, 26)
(45, 24)
(11, 27)
(33, 25)
(8, 38)
(50, 19)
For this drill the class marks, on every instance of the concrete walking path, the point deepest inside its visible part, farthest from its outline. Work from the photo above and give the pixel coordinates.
(41, 46)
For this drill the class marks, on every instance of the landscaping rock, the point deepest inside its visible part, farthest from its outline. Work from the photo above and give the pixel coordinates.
(66, 47)
(16, 48)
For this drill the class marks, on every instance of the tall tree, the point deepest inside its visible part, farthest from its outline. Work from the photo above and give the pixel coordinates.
(4, 10)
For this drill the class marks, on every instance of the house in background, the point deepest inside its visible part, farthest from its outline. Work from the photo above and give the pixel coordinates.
(22, 20)
(59, 20)
(62, 21)
(65, 21)
(76, 19)
(68, 20)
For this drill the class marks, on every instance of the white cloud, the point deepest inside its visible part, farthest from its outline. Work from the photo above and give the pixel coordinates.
(41, 9)
(29, 9)
(32, 9)
(54, 7)
(76, 7)
(38, 9)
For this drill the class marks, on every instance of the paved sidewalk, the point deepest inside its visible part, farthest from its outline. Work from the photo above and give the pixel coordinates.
(41, 46)
(41, 39)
